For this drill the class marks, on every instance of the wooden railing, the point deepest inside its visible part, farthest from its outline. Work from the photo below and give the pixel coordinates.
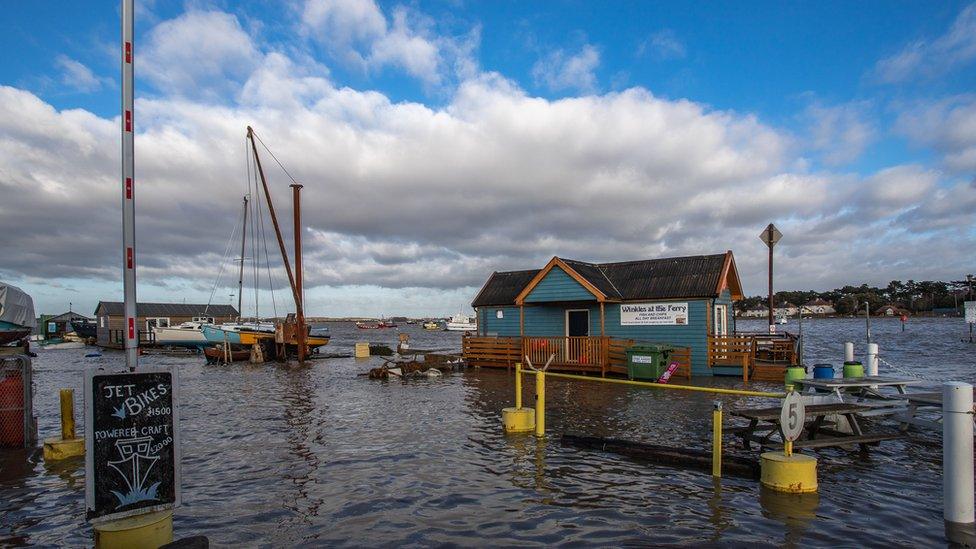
(571, 353)
(753, 352)
(600, 355)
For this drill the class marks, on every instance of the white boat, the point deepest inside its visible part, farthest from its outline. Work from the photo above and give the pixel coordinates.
(461, 323)
(187, 334)
(782, 320)
(431, 325)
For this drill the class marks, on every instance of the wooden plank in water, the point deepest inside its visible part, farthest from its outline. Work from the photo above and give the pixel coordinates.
(811, 410)
(666, 455)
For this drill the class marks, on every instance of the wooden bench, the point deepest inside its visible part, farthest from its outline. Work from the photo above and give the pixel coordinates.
(813, 428)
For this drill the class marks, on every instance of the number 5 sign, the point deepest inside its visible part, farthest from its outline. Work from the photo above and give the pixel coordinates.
(792, 416)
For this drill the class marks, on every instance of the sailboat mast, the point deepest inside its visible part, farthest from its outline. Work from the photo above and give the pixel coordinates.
(128, 190)
(274, 221)
(301, 340)
(240, 276)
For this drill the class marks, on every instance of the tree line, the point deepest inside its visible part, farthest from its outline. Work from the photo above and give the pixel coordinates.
(912, 296)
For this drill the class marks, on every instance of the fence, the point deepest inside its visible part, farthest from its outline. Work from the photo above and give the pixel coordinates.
(17, 428)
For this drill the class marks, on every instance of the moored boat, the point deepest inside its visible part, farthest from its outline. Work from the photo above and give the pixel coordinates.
(461, 323)
(187, 334)
(85, 328)
(431, 325)
(16, 314)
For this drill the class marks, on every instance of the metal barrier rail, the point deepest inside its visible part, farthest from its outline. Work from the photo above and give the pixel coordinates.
(521, 424)
(649, 385)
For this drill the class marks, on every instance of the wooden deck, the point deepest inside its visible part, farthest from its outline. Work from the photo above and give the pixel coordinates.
(762, 357)
(587, 355)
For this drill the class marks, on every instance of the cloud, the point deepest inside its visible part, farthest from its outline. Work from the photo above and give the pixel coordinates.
(948, 125)
(931, 58)
(78, 77)
(402, 195)
(200, 54)
(560, 71)
(358, 33)
(662, 45)
(840, 133)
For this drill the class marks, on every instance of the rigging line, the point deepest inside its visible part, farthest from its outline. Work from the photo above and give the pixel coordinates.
(223, 262)
(267, 260)
(274, 157)
(254, 265)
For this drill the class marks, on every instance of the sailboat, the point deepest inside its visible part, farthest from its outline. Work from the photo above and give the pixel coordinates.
(293, 334)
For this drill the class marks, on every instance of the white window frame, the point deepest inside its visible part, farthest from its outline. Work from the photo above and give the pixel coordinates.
(155, 322)
(720, 323)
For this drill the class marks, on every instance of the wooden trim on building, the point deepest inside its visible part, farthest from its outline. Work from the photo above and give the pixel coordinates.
(730, 278)
(556, 262)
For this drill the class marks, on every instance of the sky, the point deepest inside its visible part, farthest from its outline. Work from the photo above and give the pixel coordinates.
(440, 141)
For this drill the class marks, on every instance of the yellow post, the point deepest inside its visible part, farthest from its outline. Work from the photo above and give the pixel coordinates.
(67, 414)
(788, 448)
(67, 445)
(717, 440)
(540, 403)
(518, 385)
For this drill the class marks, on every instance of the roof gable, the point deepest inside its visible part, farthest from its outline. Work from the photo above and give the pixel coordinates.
(571, 273)
(558, 285)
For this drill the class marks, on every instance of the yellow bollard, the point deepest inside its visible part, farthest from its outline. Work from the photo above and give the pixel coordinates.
(518, 419)
(67, 414)
(795, 474)
(518, 385)
(717, 440)
(150, 530)
(67, 445)
(540, 403)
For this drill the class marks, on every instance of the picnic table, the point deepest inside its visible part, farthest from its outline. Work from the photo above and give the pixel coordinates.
(931, 403)
(863, 390)
(764, 423)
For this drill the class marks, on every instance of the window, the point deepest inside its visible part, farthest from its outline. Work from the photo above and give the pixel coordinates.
(721, 320)
(499, 314)
(103, 321)
(158, 322)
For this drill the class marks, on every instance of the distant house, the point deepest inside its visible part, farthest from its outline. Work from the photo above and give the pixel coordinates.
(111, 318)
(576, 307)
(757, 311)
(55, 326)
(785, 309)
(891, 309)
(819, 307)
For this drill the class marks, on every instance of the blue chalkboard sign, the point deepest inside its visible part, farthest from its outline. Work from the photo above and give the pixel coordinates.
(132, 442)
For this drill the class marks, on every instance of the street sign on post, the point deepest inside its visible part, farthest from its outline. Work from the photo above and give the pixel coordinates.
(970, 317)
(771, 236)
(132, 443)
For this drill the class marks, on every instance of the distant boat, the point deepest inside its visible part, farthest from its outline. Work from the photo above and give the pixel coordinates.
(367, 325)
(461, 323)
(431, 325)
(16, 314)
(85, 328)
(782, 320)
(238, 333)
(187, 334)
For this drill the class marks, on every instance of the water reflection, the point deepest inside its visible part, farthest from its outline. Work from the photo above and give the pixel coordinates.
(795, 511)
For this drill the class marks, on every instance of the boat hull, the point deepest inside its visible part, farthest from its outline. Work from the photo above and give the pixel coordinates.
(451, 327)
(10, 332)
(181, 337)
(215, 334)
(85, 329)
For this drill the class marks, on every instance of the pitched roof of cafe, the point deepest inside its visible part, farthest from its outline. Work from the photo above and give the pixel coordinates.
(698, 276)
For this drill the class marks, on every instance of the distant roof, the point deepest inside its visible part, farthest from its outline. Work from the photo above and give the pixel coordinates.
(167, 309)
(664, 278)
(70, 315)
(819, 302)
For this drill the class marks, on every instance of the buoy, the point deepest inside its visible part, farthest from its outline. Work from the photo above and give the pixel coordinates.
(518, 420)
(148, 530)
(794, 474)
(823, 371)
(853, 369)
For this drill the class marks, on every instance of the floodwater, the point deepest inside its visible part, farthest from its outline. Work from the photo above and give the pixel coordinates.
(322, 456)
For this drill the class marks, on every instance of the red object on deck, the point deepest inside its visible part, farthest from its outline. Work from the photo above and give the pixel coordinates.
(12, 410)
(666, 376)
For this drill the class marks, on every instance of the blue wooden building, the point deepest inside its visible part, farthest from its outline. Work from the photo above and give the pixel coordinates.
(587, 314)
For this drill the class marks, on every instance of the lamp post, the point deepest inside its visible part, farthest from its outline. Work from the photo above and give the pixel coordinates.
(771, 236)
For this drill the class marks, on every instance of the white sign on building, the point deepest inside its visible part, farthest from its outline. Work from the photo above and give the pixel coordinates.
(654, 314)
